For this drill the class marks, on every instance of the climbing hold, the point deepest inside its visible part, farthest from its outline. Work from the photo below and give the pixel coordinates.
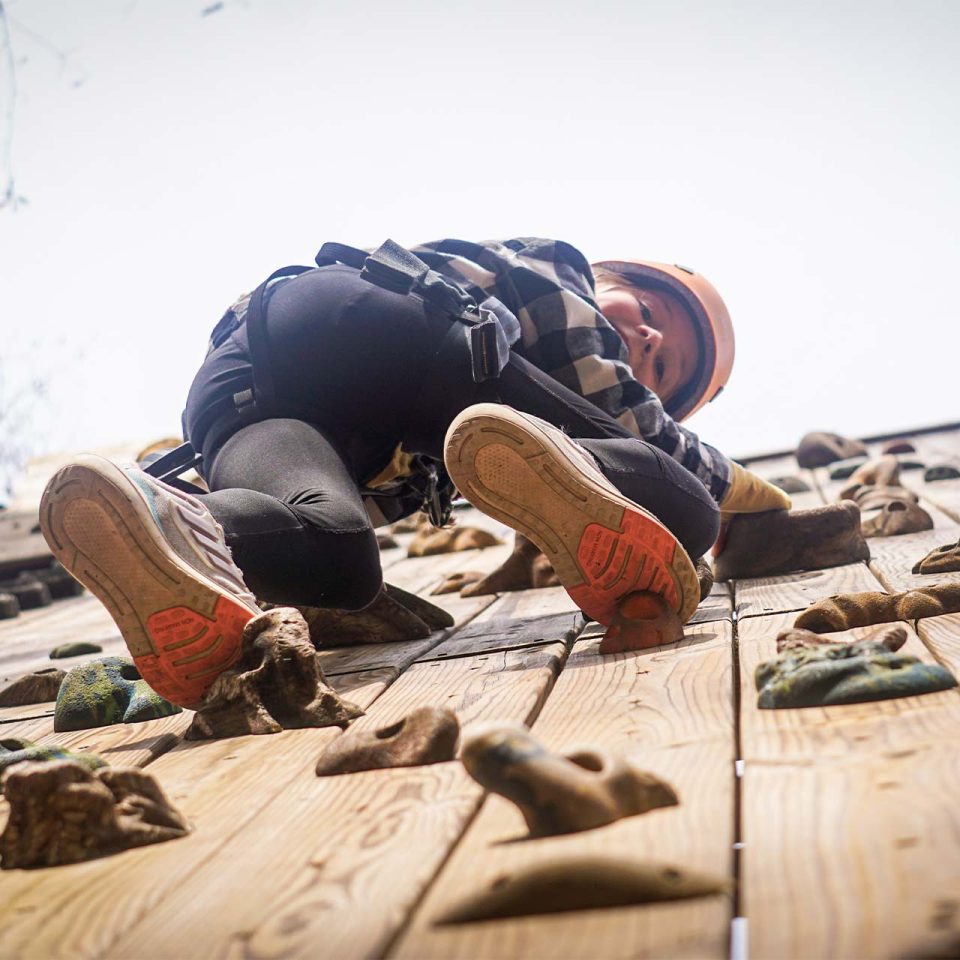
(819, 449)
(881, 472)
(41, 686)
(455, 582)
(812, 672)
(791, 484)
(76, 649)
(897, 516)
(9, 606)
(61, 812)
(30, 593)
(643, 619)
(868, 497)
(942, 470)
(395, 615)
(945, 559)
(410, 524)
(842, 469)
(59, 581)
(525, 569)
(276, 684)
(427, 735)
(848, 610)
(706, 578)
(764, 544)
(560, 793)
(106, 691)
(591, 882)
(14, 750)
(899, 445)
(430, 541)
(386, 542)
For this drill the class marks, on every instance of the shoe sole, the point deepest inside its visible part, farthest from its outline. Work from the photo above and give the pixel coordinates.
(602, 545)
(181, 628)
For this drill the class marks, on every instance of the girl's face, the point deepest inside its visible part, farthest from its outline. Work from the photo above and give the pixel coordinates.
(660, 336)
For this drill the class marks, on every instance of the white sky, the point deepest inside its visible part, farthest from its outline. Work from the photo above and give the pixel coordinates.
(803, 156)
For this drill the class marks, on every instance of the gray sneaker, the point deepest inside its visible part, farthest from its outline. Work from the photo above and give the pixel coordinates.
(158, 561)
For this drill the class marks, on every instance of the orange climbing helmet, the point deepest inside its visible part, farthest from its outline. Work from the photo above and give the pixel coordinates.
(711, 320)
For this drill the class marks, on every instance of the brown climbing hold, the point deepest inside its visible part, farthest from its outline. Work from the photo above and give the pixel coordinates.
(429, 541)
(765, 544)
(706, 578)
(820, 449)
(881, 472)
(386, 542)
(891, 636)
(61, 812)
(945, 559)
(276, 684)
(897, 516)
(557, 793)
(410, 524)
(455, 582)
(898, 446)
(427, 735)
(525, 569)
(395, 615)
(942, 470)
(642, 620)
(40, 686)
(588, 882)
(875, 498)
(848, 610)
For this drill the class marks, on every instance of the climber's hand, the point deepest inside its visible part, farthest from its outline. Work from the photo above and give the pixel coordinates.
(748, 493)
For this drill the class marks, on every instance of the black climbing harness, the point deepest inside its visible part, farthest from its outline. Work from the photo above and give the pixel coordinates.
(474, 333)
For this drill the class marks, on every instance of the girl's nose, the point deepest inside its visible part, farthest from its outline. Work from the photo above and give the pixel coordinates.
(650, 338)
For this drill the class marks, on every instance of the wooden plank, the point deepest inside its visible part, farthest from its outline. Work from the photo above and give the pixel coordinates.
(718, 605)
(942, 636)
(762, 596)
(338, 861)
(849, 816)
(673, 708)
(517, 619)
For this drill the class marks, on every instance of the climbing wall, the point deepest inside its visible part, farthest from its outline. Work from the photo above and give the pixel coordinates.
(836, 827)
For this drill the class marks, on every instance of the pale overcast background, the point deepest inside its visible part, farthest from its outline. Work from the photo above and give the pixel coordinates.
(803, 156)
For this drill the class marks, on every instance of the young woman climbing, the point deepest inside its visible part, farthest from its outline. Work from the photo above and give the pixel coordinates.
(332, 398)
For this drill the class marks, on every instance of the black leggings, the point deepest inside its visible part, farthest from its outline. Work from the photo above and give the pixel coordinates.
(287, 491)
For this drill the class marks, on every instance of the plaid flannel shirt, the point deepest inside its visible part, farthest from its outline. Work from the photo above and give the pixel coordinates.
(548, 286)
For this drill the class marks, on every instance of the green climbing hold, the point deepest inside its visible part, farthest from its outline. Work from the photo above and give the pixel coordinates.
(106, 691)
(14, 750)
(74, 649)
(813, 672)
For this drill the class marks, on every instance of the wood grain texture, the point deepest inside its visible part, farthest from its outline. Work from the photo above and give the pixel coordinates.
(221, 786)
(763, 596)
(849, 817)
(892, 559)
(942, 636)
(717, 606)
(333, 864)
(671, 708)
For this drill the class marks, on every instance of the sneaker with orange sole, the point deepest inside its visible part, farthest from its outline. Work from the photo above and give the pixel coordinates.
(530, 475)
(157, 560)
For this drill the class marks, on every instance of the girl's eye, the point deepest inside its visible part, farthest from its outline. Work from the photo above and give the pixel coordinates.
(645, 312)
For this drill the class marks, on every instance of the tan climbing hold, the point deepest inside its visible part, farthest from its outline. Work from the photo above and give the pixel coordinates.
(588, 882)
(819, 449)
(41, 686)
(765, 544)
(945, 559)
(848, 610)
(896, 516)
(527, 568)
(892, 636)
(427, 735)
(429, 541)
(61, 812)
(642, 620)
(556, 793)
(276, 684)
(455, 582)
